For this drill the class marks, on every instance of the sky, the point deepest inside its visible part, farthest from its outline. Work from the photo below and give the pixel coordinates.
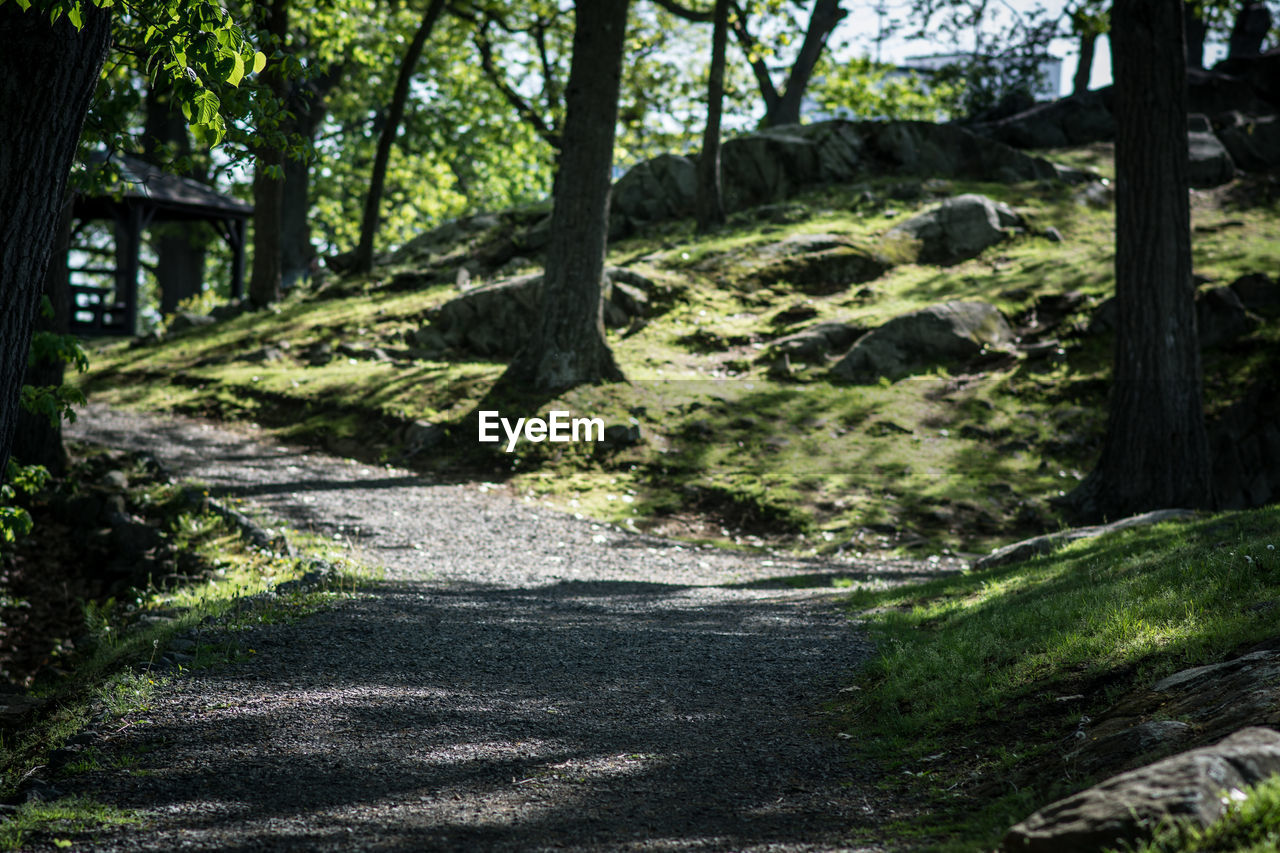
(857, 35)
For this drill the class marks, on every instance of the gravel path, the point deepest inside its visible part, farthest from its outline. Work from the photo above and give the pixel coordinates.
(524, 680)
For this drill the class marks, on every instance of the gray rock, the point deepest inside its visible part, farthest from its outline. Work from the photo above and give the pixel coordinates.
(836, 264)
(946, 333)
(1210, 164)
(131, 537)
(319, 354)
(958, 229)
(1096, 194)
(16, 709)
(184, 320)
(1152, 739)
(1258, 293)
(1128, 807)
(1221, 317)
(1053, 235)
(116, 481)
(658, 189)
(622, 435)
(815, 343)
(422, 435)
(1078, 120)
(1253, 142)
(1034, 547)
(495, 320)
(947, 151)
(229, 310)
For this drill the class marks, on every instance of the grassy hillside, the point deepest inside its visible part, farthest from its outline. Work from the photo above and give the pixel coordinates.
(942, 462)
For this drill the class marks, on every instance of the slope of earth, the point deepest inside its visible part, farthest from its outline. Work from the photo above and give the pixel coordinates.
(521, 680)
(736, 446)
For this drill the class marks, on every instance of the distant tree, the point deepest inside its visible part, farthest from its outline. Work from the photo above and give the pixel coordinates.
(1155, 453)
(268, 173)
(568, 347)
(1089, 19)
(363, 261)
(1250, 29)
(781, 106)
(710, 198)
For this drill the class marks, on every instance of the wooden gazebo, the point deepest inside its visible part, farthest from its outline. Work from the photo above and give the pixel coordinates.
(145, 196)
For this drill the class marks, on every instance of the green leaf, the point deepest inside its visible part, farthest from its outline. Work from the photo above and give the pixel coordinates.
(259, 61)
(76, 17)
(237, 70)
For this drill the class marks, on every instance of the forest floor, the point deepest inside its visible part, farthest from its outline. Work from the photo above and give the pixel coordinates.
(518, 679)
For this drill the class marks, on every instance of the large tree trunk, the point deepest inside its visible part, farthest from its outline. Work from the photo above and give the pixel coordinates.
(179, 246)
(710, 199)
(37, 441)
(268, 182)
(1155, 453)
(569, 347)
(38, 138)
(1084, 70)
(363, 260)
(826, 15)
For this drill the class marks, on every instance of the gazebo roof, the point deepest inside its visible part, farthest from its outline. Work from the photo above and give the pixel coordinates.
(169, 196)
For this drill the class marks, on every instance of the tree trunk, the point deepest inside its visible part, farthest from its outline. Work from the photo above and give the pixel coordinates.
(179, 246)
(1155, 453)
(268, 181)
(37, 441)
(826, 15)
(363, 260)
(1084, 70)
(38, 137)
(569, 347)
(307, 104)
(710, 199)
(1195, 30)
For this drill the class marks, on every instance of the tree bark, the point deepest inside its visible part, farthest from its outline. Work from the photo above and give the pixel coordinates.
(268, 181)
(1155, 454)
(1084, 70)
(307, 104)
(38, 137)
(826, 15)
(37, 441)
(710, 198)
(363, 261)
(179, 247)
(569, 347)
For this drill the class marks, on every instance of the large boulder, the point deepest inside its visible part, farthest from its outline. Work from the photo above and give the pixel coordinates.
(658, 189)
(495, 320)
(1253, 142)
(1209, 164)
(1222, 317)
(766, 167)
(816, 264)
(946, 151)
(1128, 807)
(816, 343)
(940, 334)
(1258, 293)
(958, 229)
(1078, 120)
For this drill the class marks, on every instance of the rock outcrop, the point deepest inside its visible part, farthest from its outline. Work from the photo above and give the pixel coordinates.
(947, 333)
(770, 166)
(955, 230)
(1128, 807)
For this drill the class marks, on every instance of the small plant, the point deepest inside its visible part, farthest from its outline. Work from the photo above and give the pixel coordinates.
(69, 816)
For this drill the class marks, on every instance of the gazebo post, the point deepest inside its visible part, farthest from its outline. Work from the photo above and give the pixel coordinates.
(235, 236)
(128, 264)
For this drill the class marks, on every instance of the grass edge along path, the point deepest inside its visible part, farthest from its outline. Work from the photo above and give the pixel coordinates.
(962, 692)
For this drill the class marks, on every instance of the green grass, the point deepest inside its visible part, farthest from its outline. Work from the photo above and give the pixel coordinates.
(72, 816)
(961, 691)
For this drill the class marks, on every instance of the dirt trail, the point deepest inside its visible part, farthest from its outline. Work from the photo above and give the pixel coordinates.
(523, 680)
